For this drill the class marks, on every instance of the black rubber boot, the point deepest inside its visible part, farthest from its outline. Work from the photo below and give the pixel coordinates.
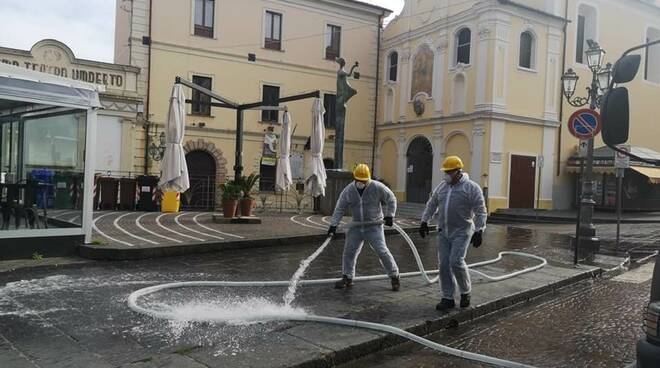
(396, 283)
(344, 283)
(445, 304)
(465, 300)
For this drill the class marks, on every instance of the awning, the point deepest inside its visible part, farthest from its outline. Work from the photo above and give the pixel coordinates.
(21, 84)
(597, 169)
(653, 173)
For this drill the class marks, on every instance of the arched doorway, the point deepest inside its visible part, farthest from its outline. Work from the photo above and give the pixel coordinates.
(420, 170)
(201, 171)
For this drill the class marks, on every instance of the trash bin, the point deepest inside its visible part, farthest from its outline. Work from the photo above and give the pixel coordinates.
(44, 192)
(171, 202)
(63, 187)
(108, 188)
(147, 188)
(127, 194)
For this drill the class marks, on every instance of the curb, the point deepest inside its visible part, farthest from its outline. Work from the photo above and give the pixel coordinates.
(96, 252)
(447, 321)
(530, 219)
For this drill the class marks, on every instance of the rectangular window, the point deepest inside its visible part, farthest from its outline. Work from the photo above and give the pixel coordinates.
(579, 43)
(329, 103)
(204, 14)
(332, 42)
(270, 97)
(201, 103)
(273, 36)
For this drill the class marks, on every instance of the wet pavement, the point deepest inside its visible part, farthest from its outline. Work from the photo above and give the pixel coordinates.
(77, 317)
(590, 324)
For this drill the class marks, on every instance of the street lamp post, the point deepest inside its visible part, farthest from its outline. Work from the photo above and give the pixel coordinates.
(586, 232)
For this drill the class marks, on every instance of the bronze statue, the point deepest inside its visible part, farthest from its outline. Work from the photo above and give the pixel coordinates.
(344, 93)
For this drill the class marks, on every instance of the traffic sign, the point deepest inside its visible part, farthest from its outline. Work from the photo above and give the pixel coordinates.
(584, 124)
(622, 161)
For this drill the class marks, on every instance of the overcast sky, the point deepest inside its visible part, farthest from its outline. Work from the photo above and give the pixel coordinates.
(86, 26)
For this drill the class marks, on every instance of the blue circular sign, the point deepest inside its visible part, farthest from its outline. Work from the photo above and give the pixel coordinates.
(584, 124)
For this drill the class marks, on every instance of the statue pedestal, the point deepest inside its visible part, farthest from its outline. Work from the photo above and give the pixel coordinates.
(337, 181)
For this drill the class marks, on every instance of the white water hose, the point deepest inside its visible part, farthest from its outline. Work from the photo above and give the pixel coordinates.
(136, 295)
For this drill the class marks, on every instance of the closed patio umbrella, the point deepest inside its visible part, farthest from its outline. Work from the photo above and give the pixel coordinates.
(174, 171)
(317, 176)
(283, 179)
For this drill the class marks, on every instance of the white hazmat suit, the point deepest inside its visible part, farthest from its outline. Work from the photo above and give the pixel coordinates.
(461, 211)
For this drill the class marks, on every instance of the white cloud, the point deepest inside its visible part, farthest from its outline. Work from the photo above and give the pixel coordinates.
(86, 26)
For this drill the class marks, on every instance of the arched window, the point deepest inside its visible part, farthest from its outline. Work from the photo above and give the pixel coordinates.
(527, 50)
(463, 38)
(392, 66)
(587, 23)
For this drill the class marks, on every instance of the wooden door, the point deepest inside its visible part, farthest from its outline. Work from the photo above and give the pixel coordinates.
(522, 181)
(420, 166)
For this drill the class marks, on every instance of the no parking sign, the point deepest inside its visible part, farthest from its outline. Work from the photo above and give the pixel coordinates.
(584, 124)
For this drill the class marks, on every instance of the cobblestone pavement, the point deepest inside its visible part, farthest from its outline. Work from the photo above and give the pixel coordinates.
(77, 317)
(590, 324)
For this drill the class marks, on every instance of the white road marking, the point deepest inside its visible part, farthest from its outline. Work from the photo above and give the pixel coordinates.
(63, 213)
(208, 228)
(138, 224)
(293, 218)
(325, 219)
(176, 219)
(116, 223)
(173, 231)
(309, 219)
(73, 218)
(106, 235)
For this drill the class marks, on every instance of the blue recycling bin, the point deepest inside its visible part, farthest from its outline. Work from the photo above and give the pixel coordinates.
(44, 176)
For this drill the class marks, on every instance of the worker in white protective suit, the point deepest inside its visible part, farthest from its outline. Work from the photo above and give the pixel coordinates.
(459, 203)
(366, 199)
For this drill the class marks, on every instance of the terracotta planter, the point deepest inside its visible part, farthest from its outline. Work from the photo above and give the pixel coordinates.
(246, 207)
(229, 207)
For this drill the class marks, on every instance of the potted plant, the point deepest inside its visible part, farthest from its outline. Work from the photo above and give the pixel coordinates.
(247, 202)
(231, 193)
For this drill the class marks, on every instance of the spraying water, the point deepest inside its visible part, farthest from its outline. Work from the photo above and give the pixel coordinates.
(290, 294)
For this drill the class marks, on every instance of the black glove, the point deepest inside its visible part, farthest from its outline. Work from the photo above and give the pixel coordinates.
(332, 230)
(477, 238)
(389, 221)
(424, 229)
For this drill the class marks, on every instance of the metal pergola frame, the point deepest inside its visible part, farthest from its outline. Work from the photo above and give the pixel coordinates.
(240, 108)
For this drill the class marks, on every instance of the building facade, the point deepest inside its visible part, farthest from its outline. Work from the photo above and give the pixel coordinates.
(122, 106)
(250, 51)
(481, 79)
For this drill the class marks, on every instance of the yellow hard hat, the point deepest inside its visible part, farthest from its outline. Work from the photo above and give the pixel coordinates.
(362, 172)
(452, 163)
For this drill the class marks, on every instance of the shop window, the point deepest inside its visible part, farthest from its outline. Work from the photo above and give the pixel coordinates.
(273, 36)
(652, 57)
(270, 97)
(329, 103)
(527, 58)
(201, 103)
(393, 65)
(463, 39)
(586, 30)
(332, 42)
(204, 14)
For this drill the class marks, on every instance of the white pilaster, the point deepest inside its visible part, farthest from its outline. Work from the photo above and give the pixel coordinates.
(496, 169)
(438, 155)
(404, 89)
(478, 132)
(402, 162)
(548, 161)
(439, 74)
(501, 64)
(481, 62)
(552, 78)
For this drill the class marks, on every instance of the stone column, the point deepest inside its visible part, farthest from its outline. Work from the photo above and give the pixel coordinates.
(439, 74)
(481, 63)
(500, 63)
(496, 169)
(438, 154)
(404, 90)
